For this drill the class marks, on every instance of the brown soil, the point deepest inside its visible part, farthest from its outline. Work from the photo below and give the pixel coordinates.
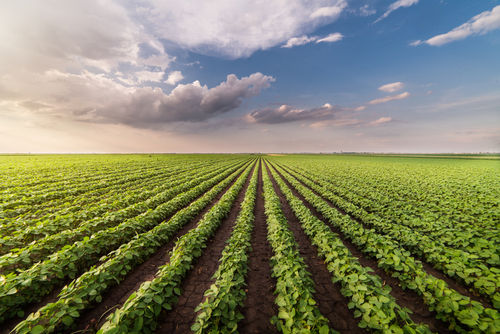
(452, 283)
(259, 305)
(9, 325)
(331, 303)
(114, 298)
(405, 298)
(199, 278)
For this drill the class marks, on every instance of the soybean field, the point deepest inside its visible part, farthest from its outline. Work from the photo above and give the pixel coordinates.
(249, 243)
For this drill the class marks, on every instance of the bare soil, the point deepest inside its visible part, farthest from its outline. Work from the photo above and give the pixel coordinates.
(116, 296)
(405, 298)
(453, 283)
(331, 303)
(199, 278)
(259, 305)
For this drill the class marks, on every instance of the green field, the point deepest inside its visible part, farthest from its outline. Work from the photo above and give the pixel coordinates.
(250, 243)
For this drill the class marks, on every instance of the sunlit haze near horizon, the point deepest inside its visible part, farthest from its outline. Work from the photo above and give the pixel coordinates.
(249, 76)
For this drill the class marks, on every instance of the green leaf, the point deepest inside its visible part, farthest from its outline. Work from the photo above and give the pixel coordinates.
(324, 330)
(67, 320)
(158, 299)
(37, 329)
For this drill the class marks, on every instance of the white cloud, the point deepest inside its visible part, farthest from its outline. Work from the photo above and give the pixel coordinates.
(365, 10)
(302, 40)
(335, 37)
(381, 120)
(286, 113)
(296, 41)
(330, 12)
(478, 25)
(145, 76)
(390, 98)
(235, 28)
(161, 60)
(174, 77)
(391, 87)
(65, 34)
(335, 123)
(396, 5)
(96, 98)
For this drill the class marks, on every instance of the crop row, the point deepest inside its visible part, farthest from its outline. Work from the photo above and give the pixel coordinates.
(463, 314)
(220, 312)
(71, 204)
(56, 176)
(461, 199)
(460, 235)
(49, 198)
(297, 309)
(453, 262)
(369, 297)
(13, 197)
(26, 256)
(90, 287)
(128, 206)
(140, 312)
(30, 285)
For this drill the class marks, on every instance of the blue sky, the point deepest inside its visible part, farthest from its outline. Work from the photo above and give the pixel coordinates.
(250, 76)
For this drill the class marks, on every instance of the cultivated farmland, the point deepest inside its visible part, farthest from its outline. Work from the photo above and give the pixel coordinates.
(249, 244)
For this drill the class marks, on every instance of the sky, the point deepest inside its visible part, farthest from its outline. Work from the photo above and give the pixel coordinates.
(124, 76)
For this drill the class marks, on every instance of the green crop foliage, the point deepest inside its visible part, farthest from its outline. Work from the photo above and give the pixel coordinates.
(81, 224)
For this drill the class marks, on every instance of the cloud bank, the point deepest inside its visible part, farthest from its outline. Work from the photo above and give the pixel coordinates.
(95, 98)
(235, 29)
(480, 24)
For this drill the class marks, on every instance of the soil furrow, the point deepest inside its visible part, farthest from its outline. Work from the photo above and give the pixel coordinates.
(259, 305)
(405, 298)
(9, 325)
(199, 278)
(429, 268)
(93, 318)
(332, 304)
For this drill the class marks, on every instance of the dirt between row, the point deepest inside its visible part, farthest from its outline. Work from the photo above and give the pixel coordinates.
(452, 283)
(199, 278)
(331, 303)
(405, 298)
(259, 305)
(115, 297)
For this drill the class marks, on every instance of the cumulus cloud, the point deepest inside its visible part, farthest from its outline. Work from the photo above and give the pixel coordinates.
(335, 37)
(174, 77)
(286, 113)
(145, 76)
(235, 29)
(390, 98)
(396, 5)
(302, 40)
(391, 87)
(478, 25)
(381, 120)
(94, 97)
